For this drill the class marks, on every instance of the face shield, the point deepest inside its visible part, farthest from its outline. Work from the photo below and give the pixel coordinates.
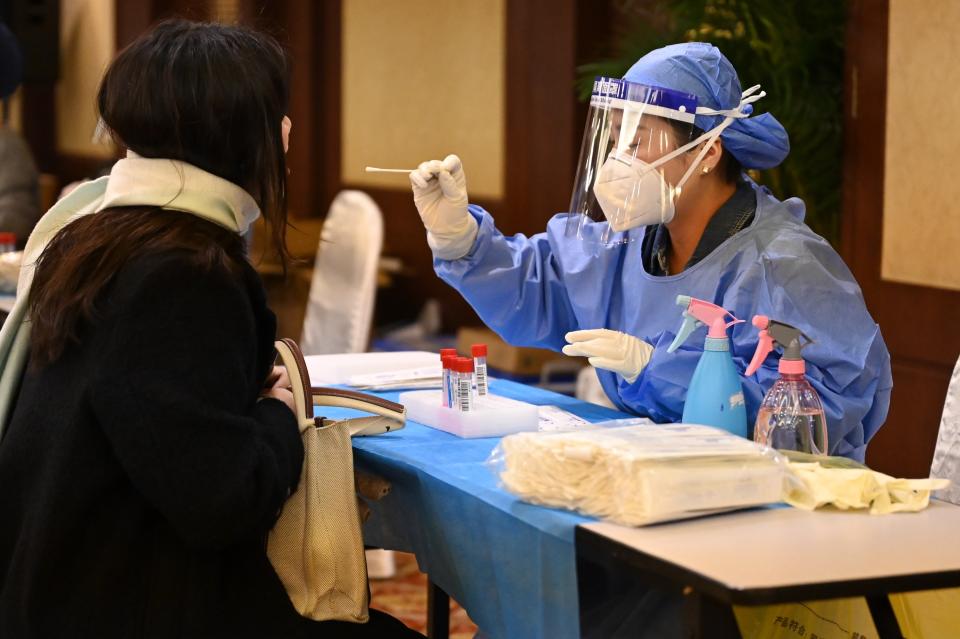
(635, 158)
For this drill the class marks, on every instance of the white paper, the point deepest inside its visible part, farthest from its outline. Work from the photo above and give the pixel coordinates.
(338, 368)
(432, 375)
(402, 385)
(553, 418)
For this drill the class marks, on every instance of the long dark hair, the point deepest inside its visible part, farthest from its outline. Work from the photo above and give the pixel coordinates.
(210, 95)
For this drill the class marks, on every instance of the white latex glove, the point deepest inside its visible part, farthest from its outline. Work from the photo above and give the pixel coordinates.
(612, 350)
(813, 486)
(440, 193)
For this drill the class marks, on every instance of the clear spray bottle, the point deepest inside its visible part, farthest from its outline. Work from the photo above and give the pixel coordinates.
(791, 416)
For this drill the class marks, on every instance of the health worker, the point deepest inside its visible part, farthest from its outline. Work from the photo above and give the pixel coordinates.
(661, 207)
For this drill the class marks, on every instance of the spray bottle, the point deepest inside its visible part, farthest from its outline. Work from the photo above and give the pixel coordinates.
(715, 396)
(791, 416)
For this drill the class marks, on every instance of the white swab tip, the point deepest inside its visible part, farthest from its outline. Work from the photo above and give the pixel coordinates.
(376, 169)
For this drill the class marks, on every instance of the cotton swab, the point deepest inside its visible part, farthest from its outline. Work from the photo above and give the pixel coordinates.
(374, 169)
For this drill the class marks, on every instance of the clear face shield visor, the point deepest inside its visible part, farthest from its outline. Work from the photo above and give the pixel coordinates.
(636, 155)
(622, 180)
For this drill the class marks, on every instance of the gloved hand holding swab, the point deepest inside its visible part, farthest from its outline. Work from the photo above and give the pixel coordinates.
(440, 194)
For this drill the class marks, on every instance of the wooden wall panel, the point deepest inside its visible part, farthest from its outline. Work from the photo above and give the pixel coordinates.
(904, 446)
(916, 321)
(298, 26)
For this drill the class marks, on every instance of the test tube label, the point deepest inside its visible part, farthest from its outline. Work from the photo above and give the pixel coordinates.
(464, 394)
(445, 400)
(481, 378)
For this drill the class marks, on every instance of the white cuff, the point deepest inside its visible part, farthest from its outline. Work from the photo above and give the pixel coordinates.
(455, 245)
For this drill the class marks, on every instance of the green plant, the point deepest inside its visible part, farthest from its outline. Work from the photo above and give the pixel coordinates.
(793, 48)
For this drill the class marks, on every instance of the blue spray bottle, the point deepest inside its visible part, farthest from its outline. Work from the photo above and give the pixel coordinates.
(715, 396)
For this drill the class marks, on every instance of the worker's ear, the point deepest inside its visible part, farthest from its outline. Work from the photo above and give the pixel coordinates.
(285, 126)
(711, 159)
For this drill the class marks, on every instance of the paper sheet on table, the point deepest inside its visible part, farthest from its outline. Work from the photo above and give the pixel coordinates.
(553, 418)
(421, 377)
(337, 369)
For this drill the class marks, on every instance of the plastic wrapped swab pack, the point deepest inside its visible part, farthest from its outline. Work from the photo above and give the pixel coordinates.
(640, 474)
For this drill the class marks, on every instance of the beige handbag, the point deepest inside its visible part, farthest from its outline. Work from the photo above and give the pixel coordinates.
(316, 547)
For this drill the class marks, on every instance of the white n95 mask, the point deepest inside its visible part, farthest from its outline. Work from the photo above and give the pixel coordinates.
(633, 193)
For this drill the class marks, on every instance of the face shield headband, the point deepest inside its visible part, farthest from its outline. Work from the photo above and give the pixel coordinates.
(743, 110)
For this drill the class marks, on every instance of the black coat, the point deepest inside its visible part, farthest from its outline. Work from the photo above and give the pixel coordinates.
(139, 474)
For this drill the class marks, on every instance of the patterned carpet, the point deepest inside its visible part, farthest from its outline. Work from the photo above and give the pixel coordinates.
(405, 597)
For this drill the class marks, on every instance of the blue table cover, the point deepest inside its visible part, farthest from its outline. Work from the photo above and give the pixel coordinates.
(511, 565)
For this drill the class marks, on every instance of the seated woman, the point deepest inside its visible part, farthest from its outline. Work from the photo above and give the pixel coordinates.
(152, 444)
(661, 207)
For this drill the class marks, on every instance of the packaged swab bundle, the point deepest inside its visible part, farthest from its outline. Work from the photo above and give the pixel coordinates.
(640, 474)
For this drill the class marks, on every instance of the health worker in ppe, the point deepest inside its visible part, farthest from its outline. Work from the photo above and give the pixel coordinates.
(661, 207)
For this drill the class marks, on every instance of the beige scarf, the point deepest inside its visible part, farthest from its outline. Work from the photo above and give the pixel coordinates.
(134, 181)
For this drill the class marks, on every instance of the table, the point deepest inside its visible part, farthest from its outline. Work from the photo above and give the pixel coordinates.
(754, 558)
(525, 571)
(511, 565)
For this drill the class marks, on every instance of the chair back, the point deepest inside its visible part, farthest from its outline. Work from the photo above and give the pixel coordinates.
(588, 388)
(946, 456)
(343, 290)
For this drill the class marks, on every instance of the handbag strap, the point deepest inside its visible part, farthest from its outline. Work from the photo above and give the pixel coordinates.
(292, 358)
(324, 396)
(305, 397)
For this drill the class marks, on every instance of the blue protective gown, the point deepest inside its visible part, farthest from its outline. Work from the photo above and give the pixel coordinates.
(532, 291)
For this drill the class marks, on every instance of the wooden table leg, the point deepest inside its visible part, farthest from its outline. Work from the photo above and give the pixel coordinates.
(438, 612)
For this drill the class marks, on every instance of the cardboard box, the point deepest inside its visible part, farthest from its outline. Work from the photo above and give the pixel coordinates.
(515, 360)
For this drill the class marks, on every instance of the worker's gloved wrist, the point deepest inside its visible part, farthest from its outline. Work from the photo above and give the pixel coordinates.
(454, 245)
(614, 351)
(638, 358)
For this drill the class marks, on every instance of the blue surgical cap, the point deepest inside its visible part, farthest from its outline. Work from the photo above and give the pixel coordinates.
(758, 142)
(11, 64)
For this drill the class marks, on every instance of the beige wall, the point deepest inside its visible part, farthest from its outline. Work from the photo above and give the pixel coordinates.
(434, 87)
(921, 215)
(87, 44)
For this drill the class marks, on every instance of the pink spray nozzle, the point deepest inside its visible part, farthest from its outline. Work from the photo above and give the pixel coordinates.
(718, 330)
(787, 337)
(709, 314)
(764, 346)
(701, 312)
